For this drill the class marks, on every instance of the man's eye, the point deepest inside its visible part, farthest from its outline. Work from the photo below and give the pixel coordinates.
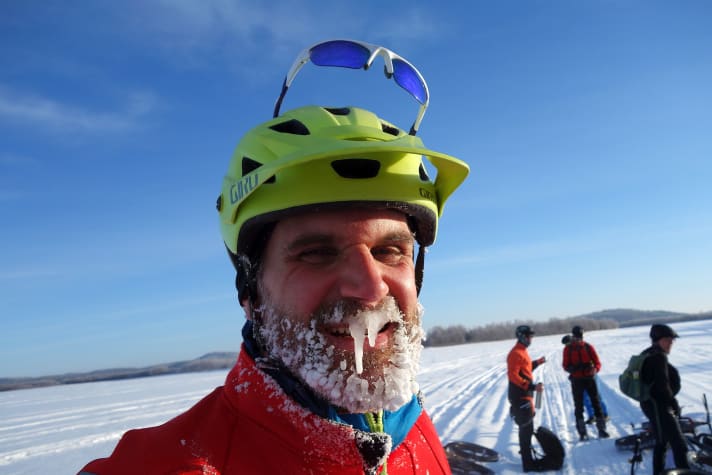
(318, 255)
(389, 254)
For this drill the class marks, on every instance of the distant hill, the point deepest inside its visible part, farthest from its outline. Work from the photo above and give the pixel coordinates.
(629, 317)
(208, 362)
(614, 318)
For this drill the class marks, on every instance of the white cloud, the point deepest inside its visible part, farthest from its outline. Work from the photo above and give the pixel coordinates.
(267, 31)
(7, 196)
(235, 26)
(7, 159)
(527, 251)
(50, 113)
(26, 274)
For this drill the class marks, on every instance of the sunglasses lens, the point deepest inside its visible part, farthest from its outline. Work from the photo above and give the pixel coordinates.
(345, 54)
(407, 78)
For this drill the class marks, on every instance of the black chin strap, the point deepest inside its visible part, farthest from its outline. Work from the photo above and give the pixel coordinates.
(419, 268)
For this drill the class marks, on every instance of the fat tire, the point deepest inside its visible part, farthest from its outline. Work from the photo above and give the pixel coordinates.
(470, 451)
(647, 441)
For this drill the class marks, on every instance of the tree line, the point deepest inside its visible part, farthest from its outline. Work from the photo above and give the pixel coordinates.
(459, 334)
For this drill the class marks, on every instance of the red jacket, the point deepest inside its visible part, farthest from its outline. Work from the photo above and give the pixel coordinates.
(249, 426)
(581, 360)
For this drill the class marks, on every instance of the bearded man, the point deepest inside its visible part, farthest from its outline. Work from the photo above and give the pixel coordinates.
(325, 214)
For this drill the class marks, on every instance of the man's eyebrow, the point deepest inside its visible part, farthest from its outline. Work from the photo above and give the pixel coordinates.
(310, 239)
(398, 236)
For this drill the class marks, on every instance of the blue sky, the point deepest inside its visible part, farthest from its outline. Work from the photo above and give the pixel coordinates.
(587, 127)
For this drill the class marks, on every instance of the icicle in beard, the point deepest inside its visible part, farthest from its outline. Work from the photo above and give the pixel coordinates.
(355, 381)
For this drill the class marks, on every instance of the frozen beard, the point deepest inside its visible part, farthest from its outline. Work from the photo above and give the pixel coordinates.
(359, 379)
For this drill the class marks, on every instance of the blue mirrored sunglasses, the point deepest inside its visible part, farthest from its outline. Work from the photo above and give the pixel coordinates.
(356, 55)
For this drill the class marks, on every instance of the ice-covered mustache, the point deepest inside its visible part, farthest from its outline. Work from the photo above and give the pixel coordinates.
(366, 324)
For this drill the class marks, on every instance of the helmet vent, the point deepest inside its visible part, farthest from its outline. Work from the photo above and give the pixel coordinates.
(292, 126)
(389, 129)
(356, 167)
(423, 173)
(249, 165)
(338, 110)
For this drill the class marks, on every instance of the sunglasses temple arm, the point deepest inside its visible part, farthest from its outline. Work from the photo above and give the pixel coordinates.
(418, 119)
(278, 103)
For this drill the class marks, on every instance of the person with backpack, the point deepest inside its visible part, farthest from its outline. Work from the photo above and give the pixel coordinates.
(582, 363)
(521, 390)
(587, 404)
(661, 407)
(325, 213)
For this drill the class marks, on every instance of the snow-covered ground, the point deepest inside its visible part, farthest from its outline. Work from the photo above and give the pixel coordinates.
(58, 429)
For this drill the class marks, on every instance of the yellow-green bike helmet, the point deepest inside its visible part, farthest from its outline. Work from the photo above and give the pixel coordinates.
(318, 157)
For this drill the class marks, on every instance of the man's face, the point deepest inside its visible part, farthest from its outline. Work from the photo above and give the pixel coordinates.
(338, 306)
(666, 344)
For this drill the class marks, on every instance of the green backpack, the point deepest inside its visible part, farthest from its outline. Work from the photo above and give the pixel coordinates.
(630, 381)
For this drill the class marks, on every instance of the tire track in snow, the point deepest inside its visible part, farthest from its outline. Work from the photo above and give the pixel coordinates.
(467, 403)
(76, 443)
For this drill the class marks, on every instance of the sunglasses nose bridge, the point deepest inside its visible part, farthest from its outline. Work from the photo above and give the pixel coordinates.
(387, 60)
(371, 58)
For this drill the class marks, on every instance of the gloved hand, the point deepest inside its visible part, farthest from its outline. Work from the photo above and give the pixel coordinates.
(541, 360)
(675, 408)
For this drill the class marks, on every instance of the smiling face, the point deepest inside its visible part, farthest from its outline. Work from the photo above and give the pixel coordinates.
(338, 306)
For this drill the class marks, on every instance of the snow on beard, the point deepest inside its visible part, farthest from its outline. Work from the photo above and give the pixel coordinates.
(354, 380)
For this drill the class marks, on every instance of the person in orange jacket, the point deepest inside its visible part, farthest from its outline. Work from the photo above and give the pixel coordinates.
(581, 361)
(521, 390)
(326, 214)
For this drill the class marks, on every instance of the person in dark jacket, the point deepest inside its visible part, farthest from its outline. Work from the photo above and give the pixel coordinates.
(662, 409)
(582, 363)
(520, 369)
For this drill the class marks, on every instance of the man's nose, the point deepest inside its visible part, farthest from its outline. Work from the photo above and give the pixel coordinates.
(361, 277)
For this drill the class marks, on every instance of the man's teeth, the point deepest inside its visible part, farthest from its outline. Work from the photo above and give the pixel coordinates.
(347, 332)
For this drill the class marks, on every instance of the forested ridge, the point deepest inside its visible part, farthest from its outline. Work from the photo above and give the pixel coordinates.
(614, 318)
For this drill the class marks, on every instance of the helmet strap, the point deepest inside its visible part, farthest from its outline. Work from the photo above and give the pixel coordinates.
(419, 268)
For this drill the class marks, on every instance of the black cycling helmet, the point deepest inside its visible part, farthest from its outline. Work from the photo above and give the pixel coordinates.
(566, 339)
(577, 331)
(523, 332)
(659, 331)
